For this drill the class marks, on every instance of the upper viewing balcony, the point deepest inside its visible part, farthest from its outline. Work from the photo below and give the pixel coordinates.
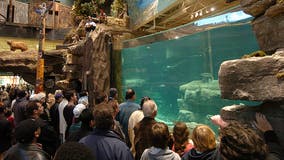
(24, 14)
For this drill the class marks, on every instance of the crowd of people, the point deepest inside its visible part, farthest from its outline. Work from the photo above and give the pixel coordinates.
(64, 126)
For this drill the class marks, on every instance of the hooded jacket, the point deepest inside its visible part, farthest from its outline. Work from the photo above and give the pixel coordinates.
(194, 155)
(154, 153)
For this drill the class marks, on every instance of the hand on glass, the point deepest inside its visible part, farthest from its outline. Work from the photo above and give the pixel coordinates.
(217, 120)
(262, 123)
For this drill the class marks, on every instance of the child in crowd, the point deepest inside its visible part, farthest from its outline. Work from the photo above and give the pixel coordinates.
(181, 139)
(160, 149)
(204, 141)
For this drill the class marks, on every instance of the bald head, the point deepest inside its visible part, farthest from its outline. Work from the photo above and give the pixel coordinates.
(130, 94)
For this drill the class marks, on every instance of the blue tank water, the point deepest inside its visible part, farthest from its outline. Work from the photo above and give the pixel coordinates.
(181, 74)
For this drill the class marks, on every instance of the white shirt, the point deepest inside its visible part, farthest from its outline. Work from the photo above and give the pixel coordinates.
(62, 122)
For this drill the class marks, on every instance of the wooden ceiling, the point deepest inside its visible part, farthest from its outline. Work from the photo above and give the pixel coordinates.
(182, 12)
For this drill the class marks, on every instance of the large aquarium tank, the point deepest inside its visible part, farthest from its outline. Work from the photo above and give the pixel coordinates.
(178, 68)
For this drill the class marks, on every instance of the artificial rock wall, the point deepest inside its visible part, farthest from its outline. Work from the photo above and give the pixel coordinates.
(24, 63)
(255, 79)
(268, 24)
(93, 59)
(258, 78)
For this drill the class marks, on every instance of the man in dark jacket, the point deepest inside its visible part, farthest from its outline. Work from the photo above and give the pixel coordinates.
(104, 143)
(142, 130)
(48, 137)
(19, 107)
(86, 119)
(26, 133)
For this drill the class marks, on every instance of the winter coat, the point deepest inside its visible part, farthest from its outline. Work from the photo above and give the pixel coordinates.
(143, 134)
(107, 145)
(5, 134)
(26, 151)
(19, 109)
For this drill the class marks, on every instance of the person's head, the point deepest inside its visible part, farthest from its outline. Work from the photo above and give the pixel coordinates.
(87, 117)
(73, 151)
(130, 94)
(181, 135)
(70, 95)
(241, 142)
(4, 95)
(150, 109)
(83, 93)
(160, 135)
(100, 97)
(8, 113)
(27, 131)
(103, 115)
(58, 96)
(143, 100)
(34, 109)
(41, 97)
(203, 138)
(113, 94)
(50, 98)
(21, 93)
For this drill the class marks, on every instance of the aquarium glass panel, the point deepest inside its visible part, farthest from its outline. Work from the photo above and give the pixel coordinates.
(181, 74)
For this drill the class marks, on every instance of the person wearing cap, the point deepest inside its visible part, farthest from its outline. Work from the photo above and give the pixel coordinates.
(40, 98)
(83, 103)
(77, 123)
(26, 134)
(54, 113)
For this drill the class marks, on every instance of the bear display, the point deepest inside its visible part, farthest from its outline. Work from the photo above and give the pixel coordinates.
(14, 45)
